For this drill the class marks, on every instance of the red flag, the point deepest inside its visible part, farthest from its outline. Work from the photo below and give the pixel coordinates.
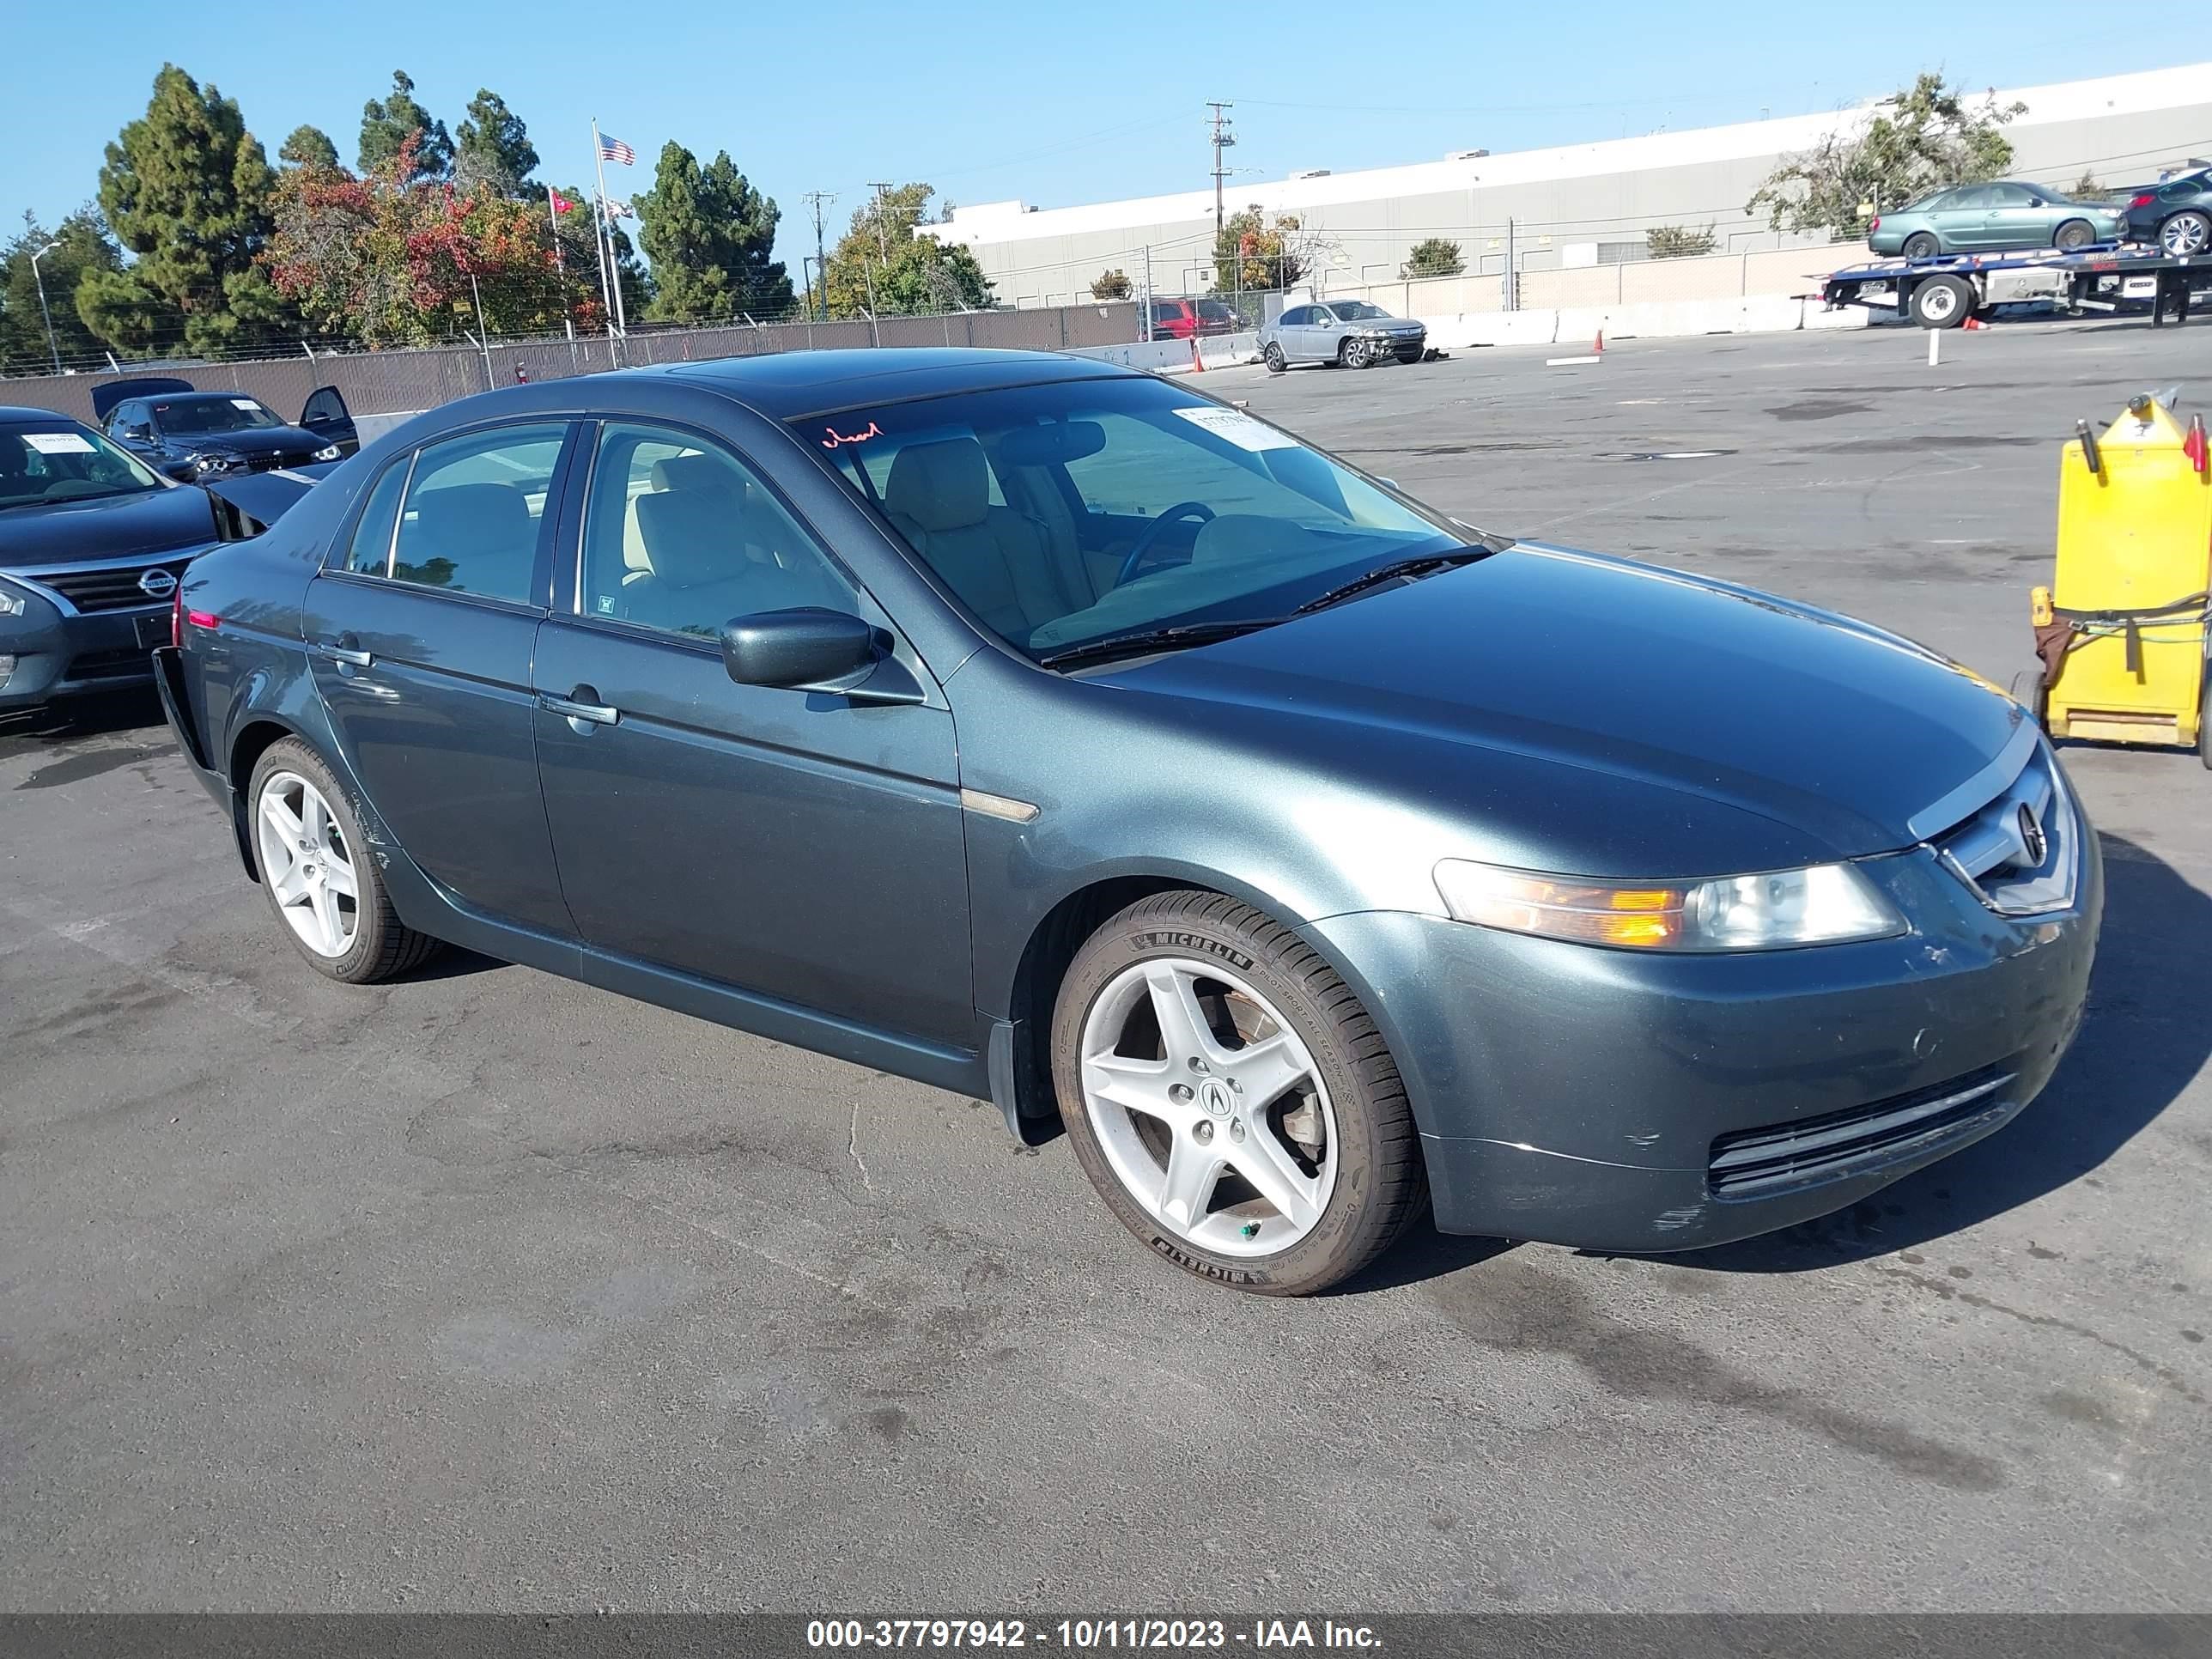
(560, 204)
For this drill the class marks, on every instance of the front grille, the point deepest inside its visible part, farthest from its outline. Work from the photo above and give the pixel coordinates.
(1787, 1157)
(113, 588)
(2021, 853)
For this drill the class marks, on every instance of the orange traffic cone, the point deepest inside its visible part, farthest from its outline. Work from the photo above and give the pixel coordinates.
(1598, 350)
(1974, 322)
(1197, 363)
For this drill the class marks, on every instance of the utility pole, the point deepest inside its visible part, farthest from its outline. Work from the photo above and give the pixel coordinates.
(883, 246)
(817, 199)
(44, 316)
(1222, 138)
(1145, 300)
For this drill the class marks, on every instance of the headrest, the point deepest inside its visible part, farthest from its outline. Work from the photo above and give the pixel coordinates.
(459, 519)
(696, 472)
(945, 485)
(691, 536)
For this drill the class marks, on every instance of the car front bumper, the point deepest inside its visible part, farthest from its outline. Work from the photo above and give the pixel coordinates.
(62, 654)
(1615, 1101)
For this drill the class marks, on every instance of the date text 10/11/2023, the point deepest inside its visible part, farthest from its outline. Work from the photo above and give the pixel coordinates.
(1089, 1634)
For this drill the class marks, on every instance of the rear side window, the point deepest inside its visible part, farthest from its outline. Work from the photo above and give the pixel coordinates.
(474, 510)
(369, 554)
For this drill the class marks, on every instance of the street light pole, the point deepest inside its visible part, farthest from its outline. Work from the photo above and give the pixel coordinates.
(44, 316)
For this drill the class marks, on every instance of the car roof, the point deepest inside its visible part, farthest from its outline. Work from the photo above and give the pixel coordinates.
(18, 415)
(786, 385)
(165, 398)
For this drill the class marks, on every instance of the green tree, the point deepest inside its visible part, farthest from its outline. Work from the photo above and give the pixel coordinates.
(1255, 249)
(492, 148)
(186, 188)
(386, 122)
(1679, 241)
(881, 264)
(1112, 285)
(2087, 189)
(710, 236)
(308, 146)
(1432, 257)
(1921, 139)
(80, 244)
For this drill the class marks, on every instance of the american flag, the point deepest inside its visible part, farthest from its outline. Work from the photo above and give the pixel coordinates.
(613, 149)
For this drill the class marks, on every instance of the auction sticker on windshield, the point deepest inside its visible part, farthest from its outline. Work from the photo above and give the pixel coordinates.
(1238, 428)
(57, 443)
(246, 403)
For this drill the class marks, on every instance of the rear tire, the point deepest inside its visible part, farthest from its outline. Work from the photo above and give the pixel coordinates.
(1942, 302)
(2075, 232)
(296, 806)
(2186, 233)
(1921, 245)
(1285, 1076)
(1272, 356)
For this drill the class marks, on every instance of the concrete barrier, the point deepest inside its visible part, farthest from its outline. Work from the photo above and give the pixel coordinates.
(1223, 351)
(1142, 354)
(1651, 319)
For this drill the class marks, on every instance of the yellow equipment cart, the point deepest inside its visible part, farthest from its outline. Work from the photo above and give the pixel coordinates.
(2123, 628)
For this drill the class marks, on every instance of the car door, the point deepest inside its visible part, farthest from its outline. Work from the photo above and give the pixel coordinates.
(1965, 223)
(1324, 333)
(1291, 333)
(2017, 217)
(325, 415)
(798, 845)
(420, 627)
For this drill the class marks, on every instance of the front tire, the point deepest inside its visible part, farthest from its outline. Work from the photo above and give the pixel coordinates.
(2075, 232)
(2186, 233)
(1272, 356)
(1230, 1099)
(1354, 354)
(313, 860)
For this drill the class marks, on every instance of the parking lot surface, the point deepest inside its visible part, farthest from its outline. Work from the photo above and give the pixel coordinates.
(486, 1290)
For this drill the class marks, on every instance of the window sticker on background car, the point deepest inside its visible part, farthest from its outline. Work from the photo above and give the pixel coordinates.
(606, 604)
(1238, 428)
(57, 443)
(246, 403)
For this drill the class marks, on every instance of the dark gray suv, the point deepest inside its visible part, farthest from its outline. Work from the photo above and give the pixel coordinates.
(1053, 733)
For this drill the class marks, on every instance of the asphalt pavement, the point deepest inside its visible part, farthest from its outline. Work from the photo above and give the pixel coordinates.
(488, 1291)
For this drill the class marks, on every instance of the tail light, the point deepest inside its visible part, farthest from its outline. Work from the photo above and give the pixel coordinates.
(2143, 200)
(177, 620)
(1875, 226)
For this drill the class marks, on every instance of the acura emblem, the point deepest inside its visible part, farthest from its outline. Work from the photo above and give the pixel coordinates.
(157, 584)
(2032, 838)
(1215, 1099)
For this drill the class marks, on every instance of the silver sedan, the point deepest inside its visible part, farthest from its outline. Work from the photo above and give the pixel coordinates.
(1350, 333)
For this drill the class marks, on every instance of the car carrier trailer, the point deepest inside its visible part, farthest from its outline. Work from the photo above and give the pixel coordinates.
(1943, 292)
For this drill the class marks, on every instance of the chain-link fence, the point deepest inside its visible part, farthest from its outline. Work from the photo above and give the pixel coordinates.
(396, 382)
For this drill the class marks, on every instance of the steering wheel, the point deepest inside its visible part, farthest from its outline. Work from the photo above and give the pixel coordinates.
(1148, 538)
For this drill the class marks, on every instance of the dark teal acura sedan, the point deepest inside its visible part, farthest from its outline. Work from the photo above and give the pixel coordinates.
(1053, 733)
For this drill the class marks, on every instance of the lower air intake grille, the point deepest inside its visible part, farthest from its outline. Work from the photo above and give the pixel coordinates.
(1786, 1156)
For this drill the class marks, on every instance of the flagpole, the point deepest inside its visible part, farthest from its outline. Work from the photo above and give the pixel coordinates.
(598, 244)
(599, 164)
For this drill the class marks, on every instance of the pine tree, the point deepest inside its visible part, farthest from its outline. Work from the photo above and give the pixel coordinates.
(80, 244)
(186, 188)
(492, 148)
(308, 146)
(710, 236)
(386, 123)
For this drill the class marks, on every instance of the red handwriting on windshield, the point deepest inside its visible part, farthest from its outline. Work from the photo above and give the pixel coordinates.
(836, 437)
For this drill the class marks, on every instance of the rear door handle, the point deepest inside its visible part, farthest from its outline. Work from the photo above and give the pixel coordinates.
(338, 650)
(579, 711)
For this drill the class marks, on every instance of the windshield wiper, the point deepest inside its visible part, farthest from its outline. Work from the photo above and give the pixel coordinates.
(1420, 564)
(1144, 641)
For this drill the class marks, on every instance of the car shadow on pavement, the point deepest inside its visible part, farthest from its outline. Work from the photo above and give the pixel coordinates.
(2146, 1038)
(79, 718)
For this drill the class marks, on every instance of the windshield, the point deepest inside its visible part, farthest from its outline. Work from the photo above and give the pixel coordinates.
(225, 414)
(1069, 512)
(1356, 310)
(65, 463)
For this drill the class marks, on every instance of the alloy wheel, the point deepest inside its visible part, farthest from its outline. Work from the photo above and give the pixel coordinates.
(307, 864)
(2186, 233)
(1208, 1107)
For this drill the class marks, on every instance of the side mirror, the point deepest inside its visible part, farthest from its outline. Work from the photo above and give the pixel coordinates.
(139, 432)
(806, 647)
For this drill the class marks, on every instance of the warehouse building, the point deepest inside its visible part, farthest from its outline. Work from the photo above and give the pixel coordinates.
(1573, 206)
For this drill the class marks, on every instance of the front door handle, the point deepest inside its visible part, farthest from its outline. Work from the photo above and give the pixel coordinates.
(582, 708)
(341, 650)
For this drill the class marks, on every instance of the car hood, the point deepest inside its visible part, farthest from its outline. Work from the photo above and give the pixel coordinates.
(104, 527)
(255, 445)
(1853, 738)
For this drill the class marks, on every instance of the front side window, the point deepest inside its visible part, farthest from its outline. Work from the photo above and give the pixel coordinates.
(1128, 504)
(2011, 196)
(66, 463)
(474, 510)
(681, 536)
(224, 413)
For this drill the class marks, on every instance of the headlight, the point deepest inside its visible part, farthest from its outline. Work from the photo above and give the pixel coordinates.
(1819, 905)
(327, 453)
(11, 604)
(213, 463)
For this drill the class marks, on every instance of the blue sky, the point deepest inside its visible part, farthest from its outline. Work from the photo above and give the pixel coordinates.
(1052, 102)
